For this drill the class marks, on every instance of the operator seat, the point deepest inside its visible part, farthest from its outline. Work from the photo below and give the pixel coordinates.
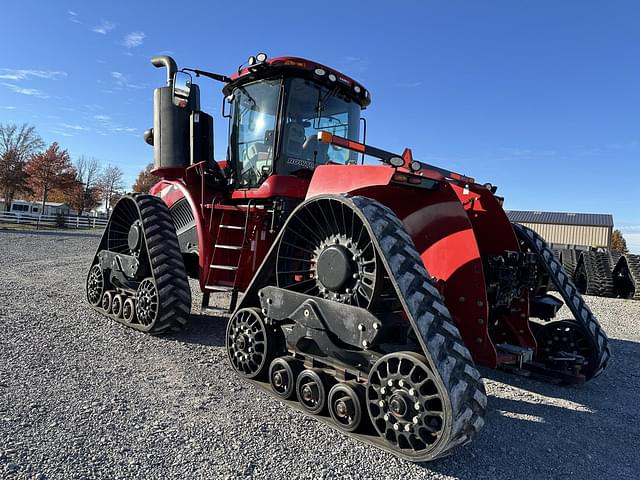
(294, 139)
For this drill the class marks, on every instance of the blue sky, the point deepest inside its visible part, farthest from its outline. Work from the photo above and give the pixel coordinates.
(540, 98)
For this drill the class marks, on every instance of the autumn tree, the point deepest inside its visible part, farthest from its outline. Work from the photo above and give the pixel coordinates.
(86, 193)
(145, 180)
(111, 186)
(48, 171)
(17, 144)
(618, 243)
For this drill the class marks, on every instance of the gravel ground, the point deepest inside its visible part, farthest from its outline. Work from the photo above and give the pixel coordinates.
(84, 397)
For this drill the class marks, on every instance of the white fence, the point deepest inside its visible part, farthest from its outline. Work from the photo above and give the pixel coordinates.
(70, 221)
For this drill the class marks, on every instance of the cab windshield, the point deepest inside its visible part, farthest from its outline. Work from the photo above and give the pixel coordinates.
(311, 108)
(252, 131)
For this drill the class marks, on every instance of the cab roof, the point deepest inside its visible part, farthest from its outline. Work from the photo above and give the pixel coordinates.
(300, 67)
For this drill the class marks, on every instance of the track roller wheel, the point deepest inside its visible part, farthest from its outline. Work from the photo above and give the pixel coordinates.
(107, 300)
(283, 373)
(405, 402)
(249, 343)
(311, 388)
(147, 302)
(129, 310)
(95, 285)
(556, 339)
(116, 305)
(345, 405)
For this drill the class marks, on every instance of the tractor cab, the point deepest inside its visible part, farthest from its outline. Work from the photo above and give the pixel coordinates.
(278, 107)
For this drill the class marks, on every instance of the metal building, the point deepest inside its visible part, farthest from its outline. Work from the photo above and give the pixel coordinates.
(568, 229)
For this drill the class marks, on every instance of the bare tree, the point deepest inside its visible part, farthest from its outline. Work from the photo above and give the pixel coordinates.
(17, 144)
(86, 194)
(111, 186)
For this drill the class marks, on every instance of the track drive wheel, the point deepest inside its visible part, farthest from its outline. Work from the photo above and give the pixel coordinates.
(406, 403)
(250, 343)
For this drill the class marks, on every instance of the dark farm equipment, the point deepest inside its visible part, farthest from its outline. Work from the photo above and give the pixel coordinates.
(370, 291)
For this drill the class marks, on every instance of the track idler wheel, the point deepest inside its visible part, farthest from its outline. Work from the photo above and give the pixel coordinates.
(559, 341)
(311, 388)
(405, 403)
(249, 343)
(345, 405)
(107, 300)
(129, 310)
(95, 285)
(283, 373)
(147, 302)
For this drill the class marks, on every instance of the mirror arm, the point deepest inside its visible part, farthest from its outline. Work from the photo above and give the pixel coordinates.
(214, 76)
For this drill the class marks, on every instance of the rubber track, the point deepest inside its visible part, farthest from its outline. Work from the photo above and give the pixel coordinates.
(598, 269)
(573, 299)
(633, 262)
(174, 293)
(167, 266)
(569, 260)
(441, 339)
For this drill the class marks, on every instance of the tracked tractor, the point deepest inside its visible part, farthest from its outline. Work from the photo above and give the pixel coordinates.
(365, 285)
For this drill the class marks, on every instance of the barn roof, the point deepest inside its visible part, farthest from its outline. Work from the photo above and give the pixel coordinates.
(562, 218)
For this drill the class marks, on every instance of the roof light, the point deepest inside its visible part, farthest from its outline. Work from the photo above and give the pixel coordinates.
(332, 77)
(252, 60)
(319, 71)
(357, 89)
(396, 161)
(415, 166)
(261, 57)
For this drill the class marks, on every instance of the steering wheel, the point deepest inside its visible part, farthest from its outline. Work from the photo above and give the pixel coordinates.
(251, 160)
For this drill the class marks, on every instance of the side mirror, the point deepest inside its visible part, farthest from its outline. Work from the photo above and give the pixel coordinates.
(181, 89)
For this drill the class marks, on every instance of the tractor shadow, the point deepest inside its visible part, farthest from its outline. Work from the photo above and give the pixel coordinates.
(209, 330)
(539, 430)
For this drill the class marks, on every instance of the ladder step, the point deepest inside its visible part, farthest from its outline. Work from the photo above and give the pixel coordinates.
(232, 227)
(229, 247)
(224, 267)
(218, 288)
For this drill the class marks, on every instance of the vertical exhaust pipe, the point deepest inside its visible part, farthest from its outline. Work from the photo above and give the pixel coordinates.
(168, 62)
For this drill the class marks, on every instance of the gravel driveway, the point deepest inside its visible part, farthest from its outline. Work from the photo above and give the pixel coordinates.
(84, 397)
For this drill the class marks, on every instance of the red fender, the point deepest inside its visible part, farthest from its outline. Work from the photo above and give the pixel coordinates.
(170, 191)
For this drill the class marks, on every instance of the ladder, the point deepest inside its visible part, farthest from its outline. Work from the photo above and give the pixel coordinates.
(227, 256)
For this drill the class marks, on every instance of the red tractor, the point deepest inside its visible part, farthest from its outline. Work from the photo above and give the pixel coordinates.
(370, 291)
